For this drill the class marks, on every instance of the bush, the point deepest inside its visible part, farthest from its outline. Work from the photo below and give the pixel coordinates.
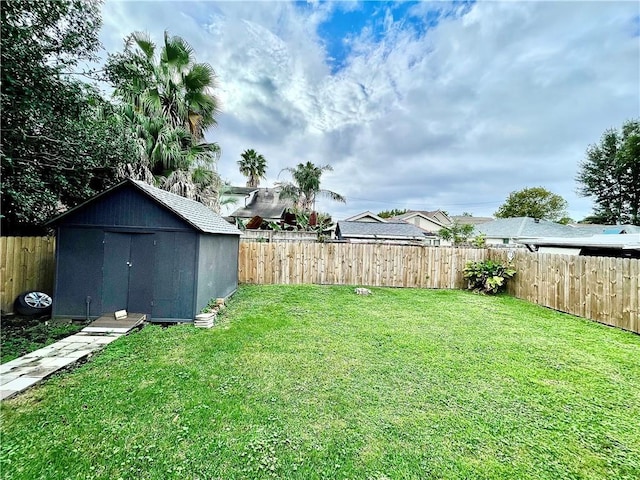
(487, 277)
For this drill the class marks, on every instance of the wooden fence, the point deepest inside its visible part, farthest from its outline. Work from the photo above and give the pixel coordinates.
(278, 236)
(26, 263)
(355, 264)
(603, 289)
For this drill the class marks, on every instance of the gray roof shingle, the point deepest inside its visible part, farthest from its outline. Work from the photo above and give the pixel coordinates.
(528, 227)
(192, 212)
(629, 241)
(266, 203)
(241, 190)
(469, 220)
(383, 230)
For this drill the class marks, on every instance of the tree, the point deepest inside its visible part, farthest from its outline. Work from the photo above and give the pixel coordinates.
(253, 166)
(168, 101)
(457, 233)
(611, 175)
(536, 202)
(394, 212)
(169, 82)
(306, 186)
(60, 142)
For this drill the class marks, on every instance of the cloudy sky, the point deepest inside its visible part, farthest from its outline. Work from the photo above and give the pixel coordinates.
(419, 105)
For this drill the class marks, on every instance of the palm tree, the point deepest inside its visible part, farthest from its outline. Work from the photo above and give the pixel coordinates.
(169, 103)
(253, 166)
(168, 82)
(305, 186)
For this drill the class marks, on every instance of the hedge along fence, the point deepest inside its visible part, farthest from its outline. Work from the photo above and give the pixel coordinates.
(604, 289)
(26, 263)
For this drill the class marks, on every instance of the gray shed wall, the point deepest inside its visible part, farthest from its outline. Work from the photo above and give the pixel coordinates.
(81, 261)
(174, 277)
(217, 267)
(126, 207)
(79, 257)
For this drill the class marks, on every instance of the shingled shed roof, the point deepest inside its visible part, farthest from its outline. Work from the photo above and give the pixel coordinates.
(194, 213)
(379, 230)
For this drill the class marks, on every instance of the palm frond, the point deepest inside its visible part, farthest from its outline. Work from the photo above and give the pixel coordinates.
(332, 195)
(176, 52)
(200, 75)
(144, 43)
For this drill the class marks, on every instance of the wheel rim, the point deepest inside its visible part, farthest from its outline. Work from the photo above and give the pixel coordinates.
(37, 300)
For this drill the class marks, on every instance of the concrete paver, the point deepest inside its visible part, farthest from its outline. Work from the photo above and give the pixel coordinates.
(20, 383)
(24, 372)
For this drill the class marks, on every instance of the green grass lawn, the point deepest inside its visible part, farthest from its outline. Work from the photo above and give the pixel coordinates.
(316, 382)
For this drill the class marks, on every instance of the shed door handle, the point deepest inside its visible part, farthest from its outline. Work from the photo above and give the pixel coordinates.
(129, 264)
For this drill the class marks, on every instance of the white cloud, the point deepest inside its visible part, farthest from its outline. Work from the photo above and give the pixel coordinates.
(496, 97)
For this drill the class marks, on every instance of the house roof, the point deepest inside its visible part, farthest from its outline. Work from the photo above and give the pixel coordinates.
(630, 241)
(266, 203)
(194, 213)
(362, 215)
(240, 190)
(469, 220)
(387, 230)
(528, 227)
(596, 229)
(617, 229)
(429, 215)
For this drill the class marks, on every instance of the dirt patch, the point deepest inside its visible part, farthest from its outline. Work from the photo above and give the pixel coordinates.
(20, 335)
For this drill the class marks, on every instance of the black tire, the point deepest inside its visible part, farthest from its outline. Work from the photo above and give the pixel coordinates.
(33, 303)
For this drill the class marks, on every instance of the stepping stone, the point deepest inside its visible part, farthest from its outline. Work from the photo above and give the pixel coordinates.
(24, 372)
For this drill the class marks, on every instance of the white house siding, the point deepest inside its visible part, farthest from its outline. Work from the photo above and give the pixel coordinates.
(424, 224)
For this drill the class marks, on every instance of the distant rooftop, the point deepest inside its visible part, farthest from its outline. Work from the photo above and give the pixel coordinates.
(470, 220)
(379, 230)
(240, 190)
(625, 242)
(266, 203)
(436, 216)
(365, 215)
(528, 227)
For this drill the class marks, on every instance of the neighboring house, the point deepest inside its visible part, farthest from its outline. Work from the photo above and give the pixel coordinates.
(235, 197)
(470, 220)
(366, 217)
(606, 245)
(506, 231)
(264, 203)
(429, 221)
(387, 232)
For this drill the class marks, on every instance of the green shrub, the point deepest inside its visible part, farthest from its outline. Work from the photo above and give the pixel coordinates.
(487, 277)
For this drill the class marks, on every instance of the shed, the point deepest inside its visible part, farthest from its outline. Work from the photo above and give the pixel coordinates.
(142, 249)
